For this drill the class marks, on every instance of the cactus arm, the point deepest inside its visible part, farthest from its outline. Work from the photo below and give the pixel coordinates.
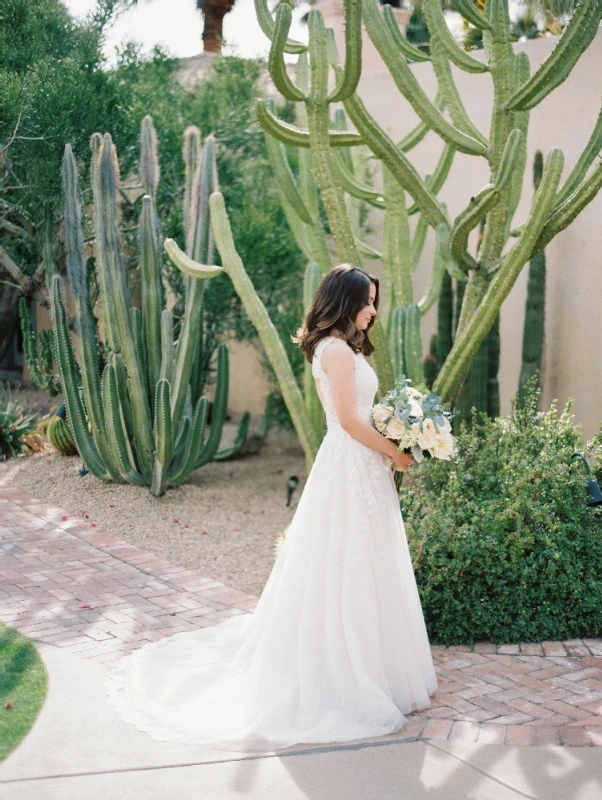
(266, 23)
(437, 179)
(325, 173)
(368, 252)
(167, 347)
(533, 331)
(470, 12)
(102, 271)
(564, 214)
(409, 86)
(442, 35)
(52, 383)
(405, 173)
(584, 162)
(220, 408)
(241, 437)
(276, 65)
(354, 187)
(442, 239)
(468, 341)
(66, 363)
(151, 288)
(86, 324)
(116, 430)
(284, 176)
(187, 265)
(449, 90)
(480, 205)
(576, 38)
(148, 166)
(508, 159)
(182, 469)
(113, 259)
(30, 348)
(503, 66)
(314, 408)
(396, 242)
(141, 347)
(412, 346)
(417, 134)
(203, 253)
(396, 341)
(418, 240)
(163, 438)
(297, 137)
(191, 156)
(433, 287)
(266, 331)
(301, 232)
(181, 440)
(353, 52)
(400, 41)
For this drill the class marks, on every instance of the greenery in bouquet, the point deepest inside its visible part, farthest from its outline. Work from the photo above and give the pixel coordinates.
(503, 544)
(416, 419)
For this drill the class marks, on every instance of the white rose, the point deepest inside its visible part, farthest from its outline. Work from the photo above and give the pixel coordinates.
(380, 415)
(443, 448)
(395, 429)
(414, 394)
(416, 409)
(428, 436)
(446, 427)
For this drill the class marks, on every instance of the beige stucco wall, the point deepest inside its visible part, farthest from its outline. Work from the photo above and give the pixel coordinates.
(573, 355)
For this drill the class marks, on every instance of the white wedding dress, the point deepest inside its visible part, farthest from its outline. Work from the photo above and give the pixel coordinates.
(336, 648)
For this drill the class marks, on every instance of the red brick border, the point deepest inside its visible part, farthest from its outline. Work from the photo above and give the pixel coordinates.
(69, 583)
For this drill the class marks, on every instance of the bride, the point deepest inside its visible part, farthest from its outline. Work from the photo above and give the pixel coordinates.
(336, 648)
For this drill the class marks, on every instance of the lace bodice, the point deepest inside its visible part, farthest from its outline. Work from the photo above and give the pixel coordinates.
(366, 384)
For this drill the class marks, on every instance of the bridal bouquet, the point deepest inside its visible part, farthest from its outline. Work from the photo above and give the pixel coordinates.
(416, 420)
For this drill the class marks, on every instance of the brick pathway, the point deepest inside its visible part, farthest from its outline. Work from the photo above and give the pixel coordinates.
(78, 586)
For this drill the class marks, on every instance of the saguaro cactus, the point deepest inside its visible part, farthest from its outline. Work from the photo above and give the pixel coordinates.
(140, 421)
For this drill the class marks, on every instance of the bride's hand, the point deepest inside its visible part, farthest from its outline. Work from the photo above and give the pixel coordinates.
(402, 461)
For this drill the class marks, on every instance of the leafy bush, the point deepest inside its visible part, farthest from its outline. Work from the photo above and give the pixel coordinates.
(15, 425)
(503, 544)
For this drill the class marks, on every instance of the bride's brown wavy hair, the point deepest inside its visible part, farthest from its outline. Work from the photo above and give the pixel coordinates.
(340, 296)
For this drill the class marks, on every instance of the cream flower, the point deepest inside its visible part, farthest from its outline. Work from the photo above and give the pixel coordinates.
(446, 427)
(380, 415)
(428, 436)
(395, 429)
(444, 447)
(416, 409)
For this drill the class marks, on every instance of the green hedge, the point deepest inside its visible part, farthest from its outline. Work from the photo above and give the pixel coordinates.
(503, 544)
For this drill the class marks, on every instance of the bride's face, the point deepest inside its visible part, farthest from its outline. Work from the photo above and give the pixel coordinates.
(367, 312)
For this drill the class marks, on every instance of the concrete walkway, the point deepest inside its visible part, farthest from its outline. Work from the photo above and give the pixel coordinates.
(88, 598)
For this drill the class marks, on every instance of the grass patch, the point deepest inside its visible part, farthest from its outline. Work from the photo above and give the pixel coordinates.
(23, 682)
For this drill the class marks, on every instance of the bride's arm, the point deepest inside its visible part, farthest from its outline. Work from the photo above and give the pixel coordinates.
(338, 363)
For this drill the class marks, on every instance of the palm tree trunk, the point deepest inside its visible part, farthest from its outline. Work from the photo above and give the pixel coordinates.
(214, 12)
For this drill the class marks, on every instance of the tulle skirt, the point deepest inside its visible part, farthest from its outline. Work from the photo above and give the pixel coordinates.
(336, 648)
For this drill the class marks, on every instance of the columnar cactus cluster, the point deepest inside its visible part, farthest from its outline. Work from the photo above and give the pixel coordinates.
(489, 278)
(483, 282)
(141, 420)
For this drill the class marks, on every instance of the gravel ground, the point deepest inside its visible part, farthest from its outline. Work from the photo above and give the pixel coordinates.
(223, 522)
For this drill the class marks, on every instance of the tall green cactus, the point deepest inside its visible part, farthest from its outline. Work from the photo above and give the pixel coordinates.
(490, 277)
(39, 361)
(482, 283)
(139, 422)
(533, 331)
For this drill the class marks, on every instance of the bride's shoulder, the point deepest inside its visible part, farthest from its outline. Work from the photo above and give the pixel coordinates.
(335, 349)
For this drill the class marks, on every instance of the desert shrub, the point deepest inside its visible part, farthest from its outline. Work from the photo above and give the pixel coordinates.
(503, 544)
(16, 424)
